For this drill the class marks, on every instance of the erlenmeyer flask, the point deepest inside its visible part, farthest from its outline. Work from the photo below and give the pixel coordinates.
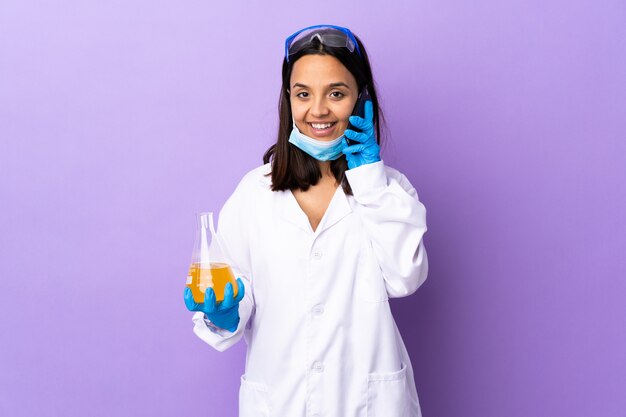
(208, 265)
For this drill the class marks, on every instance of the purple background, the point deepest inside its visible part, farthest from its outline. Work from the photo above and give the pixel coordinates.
(119, 120)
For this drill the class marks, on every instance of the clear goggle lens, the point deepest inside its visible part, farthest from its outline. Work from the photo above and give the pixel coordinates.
(326, 35)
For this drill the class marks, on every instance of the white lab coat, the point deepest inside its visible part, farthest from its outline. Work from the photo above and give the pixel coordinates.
(316, 318)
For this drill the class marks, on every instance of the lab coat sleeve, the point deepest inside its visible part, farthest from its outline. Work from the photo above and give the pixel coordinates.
(232, 231)
(395, 221)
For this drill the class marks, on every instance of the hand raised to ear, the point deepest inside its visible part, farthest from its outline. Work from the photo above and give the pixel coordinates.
(367, 150)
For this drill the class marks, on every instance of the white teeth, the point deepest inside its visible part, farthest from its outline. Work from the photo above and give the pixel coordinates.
(321, 125)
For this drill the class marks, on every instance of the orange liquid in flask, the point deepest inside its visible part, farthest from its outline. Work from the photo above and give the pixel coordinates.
(215, 275)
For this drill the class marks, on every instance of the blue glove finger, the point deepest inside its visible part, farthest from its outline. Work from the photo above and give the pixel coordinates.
(190, 302)
(209, 301)
(356, 136)
(349, 150)
(367, 121)
(369, 111)
(241, 290)
(359, 122)
(229, 300)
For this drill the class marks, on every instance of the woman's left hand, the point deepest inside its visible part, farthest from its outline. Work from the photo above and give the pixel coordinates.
(224, 314)
(367, 150)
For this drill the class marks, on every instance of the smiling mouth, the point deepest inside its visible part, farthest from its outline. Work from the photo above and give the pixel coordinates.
(322, 126)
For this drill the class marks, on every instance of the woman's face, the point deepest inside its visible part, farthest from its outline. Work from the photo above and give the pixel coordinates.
(323, 94)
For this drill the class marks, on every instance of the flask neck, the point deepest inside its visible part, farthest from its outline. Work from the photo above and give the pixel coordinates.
(205, 220)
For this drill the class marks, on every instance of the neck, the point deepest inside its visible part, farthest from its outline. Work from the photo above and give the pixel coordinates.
(325, 168)
(327, 174)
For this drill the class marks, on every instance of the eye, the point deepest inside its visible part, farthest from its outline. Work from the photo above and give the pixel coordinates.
(301, 94)
(337, 94)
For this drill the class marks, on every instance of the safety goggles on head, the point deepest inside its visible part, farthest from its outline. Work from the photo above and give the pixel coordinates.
(328, 35)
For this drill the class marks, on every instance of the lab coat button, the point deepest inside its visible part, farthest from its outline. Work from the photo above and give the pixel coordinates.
(318, 367)
(317, 255)
(318, 310)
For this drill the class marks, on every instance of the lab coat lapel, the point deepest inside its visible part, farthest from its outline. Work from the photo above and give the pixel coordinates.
(288, 208)
(337, 210)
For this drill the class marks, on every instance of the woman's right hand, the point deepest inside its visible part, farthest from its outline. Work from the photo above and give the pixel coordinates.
(224, 314)
(367, 150)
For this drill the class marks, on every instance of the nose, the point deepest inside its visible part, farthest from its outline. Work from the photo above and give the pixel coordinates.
(319, 107)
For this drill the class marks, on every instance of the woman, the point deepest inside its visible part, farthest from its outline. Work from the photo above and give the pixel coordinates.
(320, 237)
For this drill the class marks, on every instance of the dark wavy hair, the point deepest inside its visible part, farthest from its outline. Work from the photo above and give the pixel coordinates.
(293, 168)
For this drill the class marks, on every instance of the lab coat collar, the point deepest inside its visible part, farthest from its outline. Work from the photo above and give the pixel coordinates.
(338, 208)
(288, 208)
(266, 177)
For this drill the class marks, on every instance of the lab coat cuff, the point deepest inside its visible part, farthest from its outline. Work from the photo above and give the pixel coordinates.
(212, 327)
(367, 178)
(202, 323)
(220, 339)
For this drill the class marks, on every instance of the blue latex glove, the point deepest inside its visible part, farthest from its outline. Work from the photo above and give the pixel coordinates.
(226, 313)
(367, 150)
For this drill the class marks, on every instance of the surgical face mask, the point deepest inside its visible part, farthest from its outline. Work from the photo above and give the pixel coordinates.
(318, 149)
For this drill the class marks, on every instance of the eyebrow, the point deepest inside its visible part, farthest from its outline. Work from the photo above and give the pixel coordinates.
(339, 84)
